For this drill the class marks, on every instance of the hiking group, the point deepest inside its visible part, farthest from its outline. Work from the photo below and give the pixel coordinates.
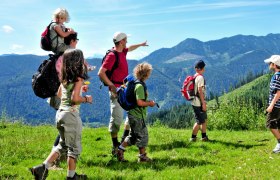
(72, 71)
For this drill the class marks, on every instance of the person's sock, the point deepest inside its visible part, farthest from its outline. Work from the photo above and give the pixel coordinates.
(203, 135)
(71, 173)
(115, 142)
(125, 134)
(121, 147)
(47, 164)
(193, 136)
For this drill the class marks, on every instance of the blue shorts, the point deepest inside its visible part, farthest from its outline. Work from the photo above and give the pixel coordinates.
(199, 114)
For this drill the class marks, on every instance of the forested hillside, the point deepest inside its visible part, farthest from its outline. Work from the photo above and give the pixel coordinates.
(240, 109)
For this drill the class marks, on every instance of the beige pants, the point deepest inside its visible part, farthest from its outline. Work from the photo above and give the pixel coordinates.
(116, 115)
(69, 125)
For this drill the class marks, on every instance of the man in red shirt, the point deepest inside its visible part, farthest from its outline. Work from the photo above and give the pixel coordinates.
(116, 80)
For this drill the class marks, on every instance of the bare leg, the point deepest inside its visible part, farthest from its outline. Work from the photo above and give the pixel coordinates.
(276, 133)
(52, 157)
(71, 163)
(196, 128)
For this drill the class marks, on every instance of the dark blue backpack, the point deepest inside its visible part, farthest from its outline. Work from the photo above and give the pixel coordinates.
(126, 94)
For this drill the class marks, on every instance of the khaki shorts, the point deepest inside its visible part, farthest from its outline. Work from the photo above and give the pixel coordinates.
(138, 134)
(273, 119)
(116, 115)
(69, 125)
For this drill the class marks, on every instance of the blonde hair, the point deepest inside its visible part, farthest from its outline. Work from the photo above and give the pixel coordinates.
(61, 12)
(142, 71)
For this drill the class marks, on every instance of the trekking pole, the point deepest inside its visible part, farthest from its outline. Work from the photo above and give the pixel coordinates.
(157, 105)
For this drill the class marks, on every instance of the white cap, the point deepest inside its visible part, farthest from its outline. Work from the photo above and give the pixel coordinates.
(273, 59)
(118, 36)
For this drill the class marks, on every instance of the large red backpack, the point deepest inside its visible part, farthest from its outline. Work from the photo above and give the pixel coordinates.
(188, 88)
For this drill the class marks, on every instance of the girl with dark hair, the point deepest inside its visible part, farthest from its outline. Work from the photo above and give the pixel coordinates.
(68, 121)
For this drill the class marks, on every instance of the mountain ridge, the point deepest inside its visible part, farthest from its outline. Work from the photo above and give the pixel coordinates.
(227, 61)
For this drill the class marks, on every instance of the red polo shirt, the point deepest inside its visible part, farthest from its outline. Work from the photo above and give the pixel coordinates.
(122, 70)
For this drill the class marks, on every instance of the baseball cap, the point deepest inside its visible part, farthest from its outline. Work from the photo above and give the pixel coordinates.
(273, 59)
(199, 64)
(118, 36)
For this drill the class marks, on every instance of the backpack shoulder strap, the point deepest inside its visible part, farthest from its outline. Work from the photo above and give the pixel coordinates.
(196, 88)
(116, 64)
(137, 81)
(56, 37)
(50, 24)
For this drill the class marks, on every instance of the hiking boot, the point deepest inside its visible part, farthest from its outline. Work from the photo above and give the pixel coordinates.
(115, 149)
(205, 139)
(77, 177)
(277, 148)
(192, 139)
(40, 172)
(120, 156)
(144, 158)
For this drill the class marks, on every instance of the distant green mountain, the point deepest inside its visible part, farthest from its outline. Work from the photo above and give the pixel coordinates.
(228, 60)
(232, 58)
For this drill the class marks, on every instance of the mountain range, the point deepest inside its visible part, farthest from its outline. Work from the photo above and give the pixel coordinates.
(228, 60)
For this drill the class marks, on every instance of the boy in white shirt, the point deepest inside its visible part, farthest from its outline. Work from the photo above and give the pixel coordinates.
(199, 103)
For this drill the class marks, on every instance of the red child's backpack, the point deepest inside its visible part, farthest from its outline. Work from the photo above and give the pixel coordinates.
(46, 41)
(188, 88)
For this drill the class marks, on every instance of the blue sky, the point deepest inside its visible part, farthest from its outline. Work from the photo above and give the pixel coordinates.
(163, 23)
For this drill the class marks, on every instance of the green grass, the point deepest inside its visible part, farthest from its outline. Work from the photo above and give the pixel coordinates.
(230, 154)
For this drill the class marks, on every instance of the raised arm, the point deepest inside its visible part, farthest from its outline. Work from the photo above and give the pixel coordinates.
(135, 46)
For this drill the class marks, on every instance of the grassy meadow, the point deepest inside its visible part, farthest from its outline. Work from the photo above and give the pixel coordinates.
(230, 154)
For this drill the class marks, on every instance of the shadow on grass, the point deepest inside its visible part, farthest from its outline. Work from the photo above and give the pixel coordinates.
(238, 144)
(156, 164)
(168, 146)
(183, 144)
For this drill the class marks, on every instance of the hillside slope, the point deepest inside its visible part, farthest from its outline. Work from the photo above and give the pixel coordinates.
(240, 109)
(257, 89)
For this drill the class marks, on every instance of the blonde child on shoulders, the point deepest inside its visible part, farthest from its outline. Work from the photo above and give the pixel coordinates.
(58, 31)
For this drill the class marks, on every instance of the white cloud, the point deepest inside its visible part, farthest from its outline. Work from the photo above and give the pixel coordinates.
(16, 46)
(7, 29)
